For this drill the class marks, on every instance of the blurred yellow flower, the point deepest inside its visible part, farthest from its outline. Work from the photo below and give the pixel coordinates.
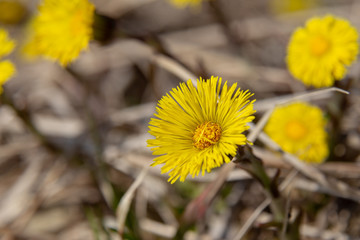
(299, 128)
(7, 69)
(199, 129)
(288, 6)
(6, 44)
(11, 11)
(61, 30)
(185, 3)
(319, 53)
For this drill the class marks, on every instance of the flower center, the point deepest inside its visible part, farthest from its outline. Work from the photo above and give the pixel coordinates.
(319, 45)
(206, 134)
(295, 130)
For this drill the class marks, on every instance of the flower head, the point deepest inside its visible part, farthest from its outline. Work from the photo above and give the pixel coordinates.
(288, 6)
(6, 44)
(319, 53)
(61, 30)
(11, 11)
(199, 129)
(7, 69)
(185, 3)
(299, 128)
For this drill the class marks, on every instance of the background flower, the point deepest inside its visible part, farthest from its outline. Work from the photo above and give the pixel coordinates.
(61, 30)
(197, 129)
(288, 6)
(6, 44)
(7, 69)
(184, 3)
(11, 11)
(299, 128)
(319, 53)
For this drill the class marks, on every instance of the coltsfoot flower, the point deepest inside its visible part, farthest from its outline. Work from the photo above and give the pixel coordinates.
(288, 6)
(7, 69)
(319, 53)
(185, 3)
(61, 30)
(299, 128)
(6, 44)
(199, 128)
(11, 11)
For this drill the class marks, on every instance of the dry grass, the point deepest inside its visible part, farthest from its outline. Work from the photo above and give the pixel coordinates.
(73, 156)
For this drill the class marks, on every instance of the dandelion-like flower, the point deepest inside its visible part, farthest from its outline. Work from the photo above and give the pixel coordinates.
(288, 6)
(199, 128)
(299, 128)
(7, 69)
(185, 3)
(319, 53)
(61, 30)
(11, 11)
(6, 44)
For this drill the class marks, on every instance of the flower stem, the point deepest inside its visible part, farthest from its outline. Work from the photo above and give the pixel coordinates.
(253, 165)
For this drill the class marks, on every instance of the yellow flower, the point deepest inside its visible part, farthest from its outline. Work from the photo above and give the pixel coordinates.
(11, 11)
(61, 30)
(6, 44)
(199, 129)
(299, 128)
(288, 6)
(185, 3)
(7, 70)
(319, 53)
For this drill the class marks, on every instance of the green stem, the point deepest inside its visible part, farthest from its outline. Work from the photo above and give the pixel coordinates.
(252, 164)
(256, 169)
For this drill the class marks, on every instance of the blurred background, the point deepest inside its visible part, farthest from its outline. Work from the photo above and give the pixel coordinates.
(73, 140)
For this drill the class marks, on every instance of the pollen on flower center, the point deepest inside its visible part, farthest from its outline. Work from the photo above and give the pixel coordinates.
(206, 134)
(319, 45)
(295, 130)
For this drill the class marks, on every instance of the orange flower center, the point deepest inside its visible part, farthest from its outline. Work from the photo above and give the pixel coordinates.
(295, 130)
(319, 46)
(206, 134)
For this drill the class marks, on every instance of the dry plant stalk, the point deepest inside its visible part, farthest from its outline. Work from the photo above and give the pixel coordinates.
(125, 202)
